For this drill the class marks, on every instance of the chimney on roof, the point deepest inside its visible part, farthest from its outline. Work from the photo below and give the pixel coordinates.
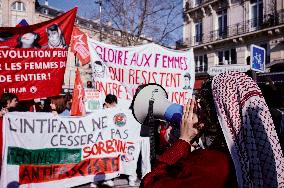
(46, 2)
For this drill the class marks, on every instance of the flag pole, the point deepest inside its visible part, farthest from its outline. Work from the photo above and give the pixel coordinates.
(69, 87)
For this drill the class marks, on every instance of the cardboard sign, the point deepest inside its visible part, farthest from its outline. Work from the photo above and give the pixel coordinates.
(93, 100)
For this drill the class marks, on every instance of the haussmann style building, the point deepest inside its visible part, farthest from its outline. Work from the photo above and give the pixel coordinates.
(222, 31)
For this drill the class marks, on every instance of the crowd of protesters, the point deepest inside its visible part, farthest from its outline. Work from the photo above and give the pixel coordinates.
(201, 148)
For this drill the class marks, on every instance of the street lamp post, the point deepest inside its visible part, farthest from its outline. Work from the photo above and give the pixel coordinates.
(100, 4)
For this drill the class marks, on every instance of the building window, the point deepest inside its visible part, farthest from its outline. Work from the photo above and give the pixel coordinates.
(205, 65)
(256, 13)
(201, 63)
(18, 6)
(233, 56)
(197, 2)
(196, 63)
(45, 11)
(222, 24)
(227, 57)
(198, 31)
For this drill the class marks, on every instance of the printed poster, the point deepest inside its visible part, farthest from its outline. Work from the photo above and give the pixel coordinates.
(33, 58)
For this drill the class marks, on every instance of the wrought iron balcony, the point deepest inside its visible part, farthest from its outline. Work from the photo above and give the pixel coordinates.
(267, 21)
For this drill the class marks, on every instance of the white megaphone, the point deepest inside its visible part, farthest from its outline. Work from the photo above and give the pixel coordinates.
(162, 108)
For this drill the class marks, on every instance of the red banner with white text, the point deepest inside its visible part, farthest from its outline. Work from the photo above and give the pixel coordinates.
(33, 58)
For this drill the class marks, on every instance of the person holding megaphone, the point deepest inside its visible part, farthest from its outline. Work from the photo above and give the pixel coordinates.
(239, 146)
(178, 166)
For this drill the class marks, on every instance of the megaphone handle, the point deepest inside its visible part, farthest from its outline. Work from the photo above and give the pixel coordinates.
(151, 131)
(152, 144)
(150, 124)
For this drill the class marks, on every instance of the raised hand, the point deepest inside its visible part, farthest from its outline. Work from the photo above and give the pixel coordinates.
(187, 129)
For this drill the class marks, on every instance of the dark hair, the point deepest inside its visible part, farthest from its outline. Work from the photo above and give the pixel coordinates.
(212, 135)
(60, 103)
(187, 75)
(131, 147)
(53, 27)
(98, 63)
(5, 35)
(271, 93)
(5, 97)
(35, 42)
(110, 98)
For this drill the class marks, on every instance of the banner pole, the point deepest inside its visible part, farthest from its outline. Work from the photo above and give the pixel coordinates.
(100, 6)
(69, 80)
(71, 70)
(254, 76)
(75, 55)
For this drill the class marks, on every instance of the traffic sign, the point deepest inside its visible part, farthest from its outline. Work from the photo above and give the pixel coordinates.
(257, 58)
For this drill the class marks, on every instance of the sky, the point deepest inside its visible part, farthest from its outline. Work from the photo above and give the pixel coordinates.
(90, 9)
(86, 8)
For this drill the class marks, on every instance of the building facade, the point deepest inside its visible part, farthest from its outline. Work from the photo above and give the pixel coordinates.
(222, 31)
(13, 11)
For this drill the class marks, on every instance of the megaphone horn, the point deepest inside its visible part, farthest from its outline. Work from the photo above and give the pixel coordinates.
(162, 108)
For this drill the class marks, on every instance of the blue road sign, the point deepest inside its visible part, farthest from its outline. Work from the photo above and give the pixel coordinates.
(257, 58)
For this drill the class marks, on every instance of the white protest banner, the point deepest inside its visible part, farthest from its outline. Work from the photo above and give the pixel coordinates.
(43, 150)
(120, 70)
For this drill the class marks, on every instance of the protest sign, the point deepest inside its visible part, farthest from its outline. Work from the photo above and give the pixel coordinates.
(93, 100)
(120, 70)
(42, 150)
(33, 58)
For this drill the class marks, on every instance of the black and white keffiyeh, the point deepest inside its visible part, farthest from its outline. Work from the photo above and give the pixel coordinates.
(249, 131)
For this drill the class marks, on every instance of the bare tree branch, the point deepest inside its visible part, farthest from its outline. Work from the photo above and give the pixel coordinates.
(158, 20)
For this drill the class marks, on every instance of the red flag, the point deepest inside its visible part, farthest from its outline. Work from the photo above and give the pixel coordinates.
(79, 46)
(78, 107)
